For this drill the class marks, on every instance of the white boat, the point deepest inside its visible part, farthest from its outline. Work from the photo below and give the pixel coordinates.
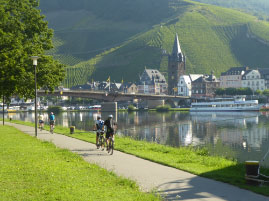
(218, 105)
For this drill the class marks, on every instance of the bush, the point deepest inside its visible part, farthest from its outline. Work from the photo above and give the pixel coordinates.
(55, 109)
(163, 108)
(131, 108)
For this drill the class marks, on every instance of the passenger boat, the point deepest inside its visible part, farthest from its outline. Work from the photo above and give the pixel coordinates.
(220, 105)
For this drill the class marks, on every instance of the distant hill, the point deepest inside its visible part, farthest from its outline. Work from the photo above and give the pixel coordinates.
(99, 38)
(258, 8)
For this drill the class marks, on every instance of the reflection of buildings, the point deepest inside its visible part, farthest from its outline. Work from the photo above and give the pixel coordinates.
(185, 133)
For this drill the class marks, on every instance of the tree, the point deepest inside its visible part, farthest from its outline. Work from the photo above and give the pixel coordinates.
(220, 91)
(266, 93)
(24, 33)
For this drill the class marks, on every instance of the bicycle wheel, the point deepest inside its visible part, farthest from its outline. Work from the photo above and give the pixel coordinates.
(99, 143)
(111, 146)
(102, 143)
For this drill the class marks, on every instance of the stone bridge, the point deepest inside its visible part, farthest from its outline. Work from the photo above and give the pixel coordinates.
(112, 96)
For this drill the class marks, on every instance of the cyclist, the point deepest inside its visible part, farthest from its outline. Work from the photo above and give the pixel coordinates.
(52, 122)
(111, 127)
(41, 121)
(99, 128)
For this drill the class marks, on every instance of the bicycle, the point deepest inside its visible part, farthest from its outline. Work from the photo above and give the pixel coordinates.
(41, 127)
(111, 145)
(51, 127)
(101, 141)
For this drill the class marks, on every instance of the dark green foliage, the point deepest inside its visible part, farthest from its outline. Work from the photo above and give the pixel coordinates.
(233, 91)
(24, 33)
(55, 109)
(163, 108)
(131, 108)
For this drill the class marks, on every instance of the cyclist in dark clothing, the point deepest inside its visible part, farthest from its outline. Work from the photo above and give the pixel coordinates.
(111, 127)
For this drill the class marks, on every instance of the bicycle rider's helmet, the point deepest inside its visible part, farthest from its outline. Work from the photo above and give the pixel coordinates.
(110, 116)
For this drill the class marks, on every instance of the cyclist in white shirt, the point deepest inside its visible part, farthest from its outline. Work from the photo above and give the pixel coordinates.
(99, 128)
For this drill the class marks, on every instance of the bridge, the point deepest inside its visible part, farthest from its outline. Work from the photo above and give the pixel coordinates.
(111, 96)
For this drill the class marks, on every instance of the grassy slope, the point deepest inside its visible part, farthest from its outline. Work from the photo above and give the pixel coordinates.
(35, 170)
(196, 161)
(213, 38)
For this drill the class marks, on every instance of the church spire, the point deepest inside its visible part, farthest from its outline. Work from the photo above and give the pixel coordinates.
(176, 47)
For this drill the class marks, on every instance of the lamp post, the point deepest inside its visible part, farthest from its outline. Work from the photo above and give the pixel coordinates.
(35, 58)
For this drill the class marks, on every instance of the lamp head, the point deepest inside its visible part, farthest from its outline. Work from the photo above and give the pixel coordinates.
(35, 58)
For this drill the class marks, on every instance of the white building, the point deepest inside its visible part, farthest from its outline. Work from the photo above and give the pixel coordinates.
(252, 79)
(233, 77)
(184, 84)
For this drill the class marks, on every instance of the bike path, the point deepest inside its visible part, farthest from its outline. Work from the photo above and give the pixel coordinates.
(171, 183)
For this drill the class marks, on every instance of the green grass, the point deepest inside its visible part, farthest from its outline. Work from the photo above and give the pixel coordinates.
(193, 160)
(36, 170)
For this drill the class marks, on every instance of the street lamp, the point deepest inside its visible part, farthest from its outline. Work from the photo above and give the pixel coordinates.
(35, 58)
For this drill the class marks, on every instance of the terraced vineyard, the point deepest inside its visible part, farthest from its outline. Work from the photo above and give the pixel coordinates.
(212, 38)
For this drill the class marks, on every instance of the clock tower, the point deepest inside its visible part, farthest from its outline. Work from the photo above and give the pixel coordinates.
(176, 66)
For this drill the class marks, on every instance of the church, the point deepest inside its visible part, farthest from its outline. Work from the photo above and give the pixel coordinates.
(176, 67)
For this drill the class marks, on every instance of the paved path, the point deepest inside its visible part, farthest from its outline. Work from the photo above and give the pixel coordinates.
(174, 184)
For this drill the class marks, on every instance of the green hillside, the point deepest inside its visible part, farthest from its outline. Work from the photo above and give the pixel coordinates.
(258, 8)
(133, 34)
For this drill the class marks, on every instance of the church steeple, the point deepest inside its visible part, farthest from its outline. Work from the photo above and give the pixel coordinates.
(176, 66)
(177, 53)
(176, 47)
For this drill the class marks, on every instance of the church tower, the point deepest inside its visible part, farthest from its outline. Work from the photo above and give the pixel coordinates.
(176, 66)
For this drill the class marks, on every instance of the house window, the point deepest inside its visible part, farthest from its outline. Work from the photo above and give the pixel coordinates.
(181, 89)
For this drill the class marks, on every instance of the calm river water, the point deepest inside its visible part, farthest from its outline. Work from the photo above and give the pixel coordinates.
(240, 135)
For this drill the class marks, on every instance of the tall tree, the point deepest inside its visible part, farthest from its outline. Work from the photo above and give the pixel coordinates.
(24, 33)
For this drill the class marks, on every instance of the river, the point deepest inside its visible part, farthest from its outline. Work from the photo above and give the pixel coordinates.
(239, 135)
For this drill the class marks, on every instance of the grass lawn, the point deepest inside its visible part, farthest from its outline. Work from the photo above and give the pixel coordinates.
(196, 161)
(36, 170)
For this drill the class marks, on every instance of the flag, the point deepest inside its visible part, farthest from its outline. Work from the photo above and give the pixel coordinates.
(122, 81)
(108, 80)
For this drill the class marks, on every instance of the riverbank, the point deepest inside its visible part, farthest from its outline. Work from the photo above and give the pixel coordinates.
(196, 161)
(35, 170)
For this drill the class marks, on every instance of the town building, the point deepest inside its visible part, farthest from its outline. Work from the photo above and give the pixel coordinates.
(129, 88)
(253, 80)
(205, 86)
(264, 72)
(176, 66)
(233, 77)
(152, 82)
(184, 84)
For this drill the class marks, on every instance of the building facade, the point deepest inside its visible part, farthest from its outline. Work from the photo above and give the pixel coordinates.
(176, 66)
(152, 82)
(252, 79)
(185, 84)
(264, 72)
(129, 88)
(205, 86)
(233, 77)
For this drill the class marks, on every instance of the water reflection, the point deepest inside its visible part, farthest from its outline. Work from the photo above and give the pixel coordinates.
(241, 135)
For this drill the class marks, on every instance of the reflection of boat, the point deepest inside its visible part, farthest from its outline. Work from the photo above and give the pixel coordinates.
(238, 104)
